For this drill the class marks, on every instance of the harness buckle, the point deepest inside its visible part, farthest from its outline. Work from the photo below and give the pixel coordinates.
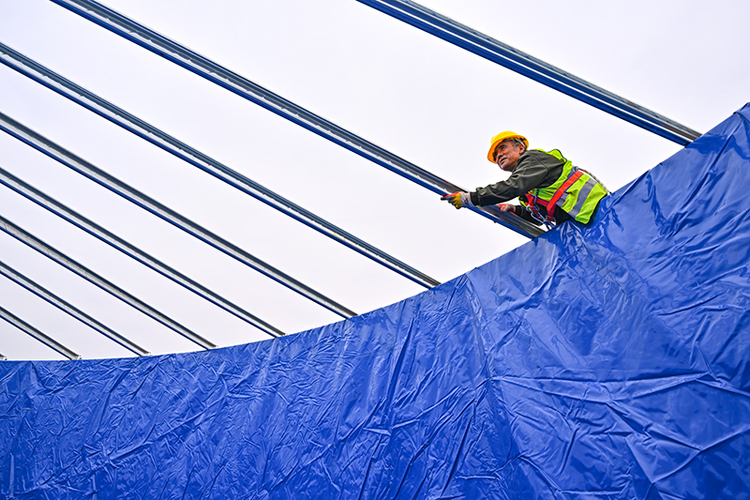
(536, 215)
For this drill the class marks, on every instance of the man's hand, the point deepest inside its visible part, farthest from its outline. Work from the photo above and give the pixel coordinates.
(505, 207)
(458, 199)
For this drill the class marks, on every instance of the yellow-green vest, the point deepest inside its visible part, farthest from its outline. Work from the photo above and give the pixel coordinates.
(579, 198)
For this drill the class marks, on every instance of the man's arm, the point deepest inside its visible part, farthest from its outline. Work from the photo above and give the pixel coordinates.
(531, 171)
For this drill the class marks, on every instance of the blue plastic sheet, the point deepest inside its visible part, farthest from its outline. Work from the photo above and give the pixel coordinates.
(608, 361)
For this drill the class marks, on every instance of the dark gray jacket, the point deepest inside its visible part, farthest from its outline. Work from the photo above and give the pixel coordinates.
(534, 169)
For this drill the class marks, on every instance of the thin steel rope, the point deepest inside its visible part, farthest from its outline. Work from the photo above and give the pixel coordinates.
(48, 251)
(102, 178)
(533, 68)
(37, 334)
(70, 309)
(132, 251)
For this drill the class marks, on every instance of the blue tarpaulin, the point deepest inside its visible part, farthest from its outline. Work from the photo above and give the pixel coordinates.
(607, 361)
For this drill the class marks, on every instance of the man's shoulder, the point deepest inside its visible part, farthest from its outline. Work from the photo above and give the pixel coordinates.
(537, 155)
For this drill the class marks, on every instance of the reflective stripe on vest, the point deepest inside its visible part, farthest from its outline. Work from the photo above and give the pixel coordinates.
(575, 192)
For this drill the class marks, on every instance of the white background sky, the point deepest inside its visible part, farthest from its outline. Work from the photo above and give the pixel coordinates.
(419, 97)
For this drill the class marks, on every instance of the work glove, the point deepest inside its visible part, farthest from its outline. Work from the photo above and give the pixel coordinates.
(506, 207)
(458, 199)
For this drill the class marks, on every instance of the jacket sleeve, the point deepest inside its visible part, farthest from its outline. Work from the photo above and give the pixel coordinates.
(530, 172)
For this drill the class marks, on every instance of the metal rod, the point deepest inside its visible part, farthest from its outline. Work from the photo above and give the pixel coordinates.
(102, 178)
(89, 275)
(114, 241)
(105, 109)
(531, 67)
(70, 309)
(172, 51)
(30, 330)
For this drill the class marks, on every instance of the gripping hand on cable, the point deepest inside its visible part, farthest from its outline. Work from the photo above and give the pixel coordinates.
(458, 199)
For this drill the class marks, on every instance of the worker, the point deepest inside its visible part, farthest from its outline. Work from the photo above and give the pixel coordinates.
(550, 189)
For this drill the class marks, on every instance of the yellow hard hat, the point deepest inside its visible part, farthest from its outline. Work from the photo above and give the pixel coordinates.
(500, 138)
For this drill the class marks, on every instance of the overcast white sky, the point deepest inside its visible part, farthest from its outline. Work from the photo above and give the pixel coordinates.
(430, 102)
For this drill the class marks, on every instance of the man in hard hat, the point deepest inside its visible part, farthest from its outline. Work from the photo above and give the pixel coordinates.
(551, 190)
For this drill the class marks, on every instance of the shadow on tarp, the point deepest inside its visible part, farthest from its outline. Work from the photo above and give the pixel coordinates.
(608, 361)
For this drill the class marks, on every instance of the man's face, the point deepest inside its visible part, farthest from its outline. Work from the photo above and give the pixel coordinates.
(507, 154)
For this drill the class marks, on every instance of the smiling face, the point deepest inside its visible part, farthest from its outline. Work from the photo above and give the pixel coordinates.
(507, 154)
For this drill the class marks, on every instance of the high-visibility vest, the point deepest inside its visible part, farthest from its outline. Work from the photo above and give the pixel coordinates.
(576, 192)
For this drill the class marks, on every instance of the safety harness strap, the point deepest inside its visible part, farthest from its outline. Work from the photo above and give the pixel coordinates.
(550, 205)
(571, 180)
